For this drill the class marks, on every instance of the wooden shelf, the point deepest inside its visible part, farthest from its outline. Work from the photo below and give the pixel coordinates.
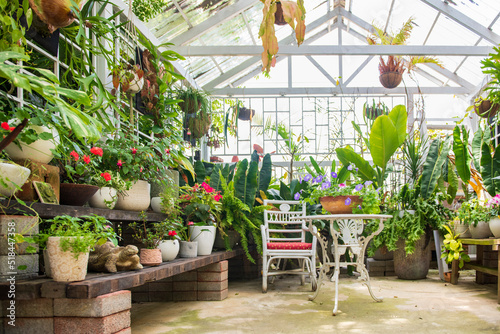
(11, 207)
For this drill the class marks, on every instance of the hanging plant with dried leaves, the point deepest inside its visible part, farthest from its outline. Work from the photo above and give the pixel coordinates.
(294, 14)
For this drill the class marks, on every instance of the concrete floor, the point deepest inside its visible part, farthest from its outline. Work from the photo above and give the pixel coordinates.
(424, 306)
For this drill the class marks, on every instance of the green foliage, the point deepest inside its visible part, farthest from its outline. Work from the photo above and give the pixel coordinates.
(491, 66)
(145, 10)
(490, 168)
(472, 212)
(462, 156)
(433, 166)
(452, 248)
(150, 234)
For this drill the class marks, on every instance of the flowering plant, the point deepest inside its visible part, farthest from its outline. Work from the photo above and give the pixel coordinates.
(203, 203)
(494, 206)
(152, 234)
(341, 184)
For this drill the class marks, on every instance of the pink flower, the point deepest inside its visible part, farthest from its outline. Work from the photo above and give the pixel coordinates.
(106, 176)
(341, 185)
(134, 150)
(75, 155)
(119, 163)
(96, 151)
(190, 223)
(167, 151)
(140, 170)
(217, 197)
(86, 158)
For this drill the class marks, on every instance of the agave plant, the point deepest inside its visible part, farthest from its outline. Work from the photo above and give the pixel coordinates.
(293, 13)
(398, 63)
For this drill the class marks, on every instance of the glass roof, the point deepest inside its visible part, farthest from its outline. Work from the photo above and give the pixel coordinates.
(229, 23)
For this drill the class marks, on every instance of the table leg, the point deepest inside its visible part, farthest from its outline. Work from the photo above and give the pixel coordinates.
(336, 275)
(454, 272)
(479, 259)
(322, 274)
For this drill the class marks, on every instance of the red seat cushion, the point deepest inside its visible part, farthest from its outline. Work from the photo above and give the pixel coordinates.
(289, 245)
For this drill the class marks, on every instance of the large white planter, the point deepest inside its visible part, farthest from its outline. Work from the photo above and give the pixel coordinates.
(104, 198)
(205, 235)
(39, 150)
(480, 231)
(135, 199)
(463, 230)
(169, 249)
(10, 176)
(63, 265)
(495, 226)
(156, 204)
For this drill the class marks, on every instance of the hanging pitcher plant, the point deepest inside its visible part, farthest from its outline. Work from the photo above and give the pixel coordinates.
(294, 14)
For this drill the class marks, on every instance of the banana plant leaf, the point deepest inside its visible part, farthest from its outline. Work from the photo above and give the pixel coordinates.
(384, 140)
(477, 144)
(347, 156)
(436, 157)
(462, 157)
(265, 173)
(399, 118)
(199, 169)
(240, 180)
(490, 168)
(452, 182)
(252, 184)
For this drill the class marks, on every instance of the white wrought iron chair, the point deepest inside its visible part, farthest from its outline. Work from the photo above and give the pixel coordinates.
(284, 237)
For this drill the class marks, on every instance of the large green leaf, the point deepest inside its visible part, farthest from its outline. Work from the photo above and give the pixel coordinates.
(265, 173)
(477, 143)
(384, 140)
(490, 168)
(436, 157)
(347, 156)
(199, 169)
(452, 183)
(316, 166)
(399, 117)
(240, 180)
(215, 179)
(285, 192)
(252, 184)
(462, 157)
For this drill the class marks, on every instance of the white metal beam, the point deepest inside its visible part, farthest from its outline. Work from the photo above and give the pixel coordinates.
(304, 50)
(337, 91)
(450, 75)
(359, 69)
(464, 20)
(222, 16)
(322, 70)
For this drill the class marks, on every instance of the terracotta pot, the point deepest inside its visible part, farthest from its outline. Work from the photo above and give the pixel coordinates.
(486, 109)
(104, 198)
(188, 249)
(390, 79)
(337, 204)
(150, 257)
(136, 198)
(169, 249)
(12, 174)
(76, 194)
(63, 264)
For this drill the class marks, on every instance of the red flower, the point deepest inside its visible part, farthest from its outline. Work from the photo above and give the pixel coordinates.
(172, 233)
(217, 197)
(190, 223)
(119, 163)
(6, 126)
(106, 176)
(86, 158)
(75, 155)
(167, 151)
(96, 151)
(134, 150)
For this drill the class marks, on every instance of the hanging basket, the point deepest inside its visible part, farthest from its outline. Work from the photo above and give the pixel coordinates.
(199, 125)
(190, 106)
(486, 109)
(246, 114)
(279, 19)
(390, 79)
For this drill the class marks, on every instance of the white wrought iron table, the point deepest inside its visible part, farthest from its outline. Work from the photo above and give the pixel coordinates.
(350, 231)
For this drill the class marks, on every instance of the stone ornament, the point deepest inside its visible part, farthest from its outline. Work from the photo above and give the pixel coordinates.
(110, 258)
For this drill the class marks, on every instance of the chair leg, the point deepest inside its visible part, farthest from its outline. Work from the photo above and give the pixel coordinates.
(265, 267)
(302, 266)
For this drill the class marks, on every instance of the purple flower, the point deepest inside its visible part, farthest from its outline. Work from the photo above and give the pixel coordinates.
(348, 201)
(319, 178)
(358, 187)
(300, 180)
(349, 167)
(357, 169)
(307, 177)
(367, 183)
(378, 190)
(296, 196)
(334, 175)
(359, 207)
(326, 185)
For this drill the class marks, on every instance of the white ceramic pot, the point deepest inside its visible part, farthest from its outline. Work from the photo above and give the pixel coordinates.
(136, 84)
(104, 198)
(63, 264)
(156, 204)
(205, 235)
(136, 198)
(169, 249)
(188, 249)
(463, 230)
(480, 231)
(39, 150)
(11, 175)
(494, 224)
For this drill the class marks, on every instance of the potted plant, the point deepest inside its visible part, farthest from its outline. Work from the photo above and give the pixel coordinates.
(188, 247)
(69, 241)
(374, 110)
(391, 71)
(192, 100)
(129, 77)
(476, 215)
(491, 67)
(293, 13)
(56, 13)
(485, 108)
(453, 250)
(494, 206)
(150, 235)
(202, 206)
(12, 177)
(171, 244)
(110, 185)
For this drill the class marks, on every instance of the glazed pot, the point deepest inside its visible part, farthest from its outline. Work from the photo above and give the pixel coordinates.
(76, 194)
(205, 236)
(169, 249)
(12, 174)
(104, 198)
(64, 266)
(136, 198)
(39, 150)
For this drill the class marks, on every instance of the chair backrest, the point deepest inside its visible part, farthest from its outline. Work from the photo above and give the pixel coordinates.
(279, 225)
